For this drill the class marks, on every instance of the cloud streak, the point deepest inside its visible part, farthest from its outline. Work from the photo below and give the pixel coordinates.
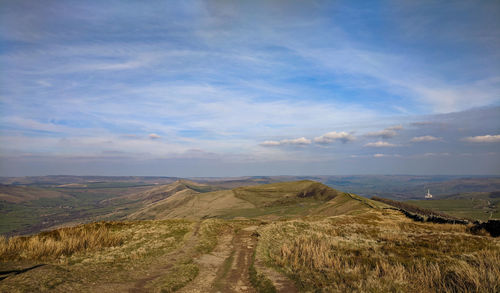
(380, 144)
(483, 138)
(301, 141)
(424, 138)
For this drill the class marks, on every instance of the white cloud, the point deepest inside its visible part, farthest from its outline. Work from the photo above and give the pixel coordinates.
(295, 141)
(483, 138)
(424, 138)
(379, 155)
(379, 144)
(387, 133)
(270, 143)
(334, 136)
(154, 136)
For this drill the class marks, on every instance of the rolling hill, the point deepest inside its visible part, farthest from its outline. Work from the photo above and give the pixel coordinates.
(18, 194)
(299, 236)
(271, 201)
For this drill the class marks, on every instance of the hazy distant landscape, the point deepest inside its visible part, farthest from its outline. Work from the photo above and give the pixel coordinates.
(30, 204)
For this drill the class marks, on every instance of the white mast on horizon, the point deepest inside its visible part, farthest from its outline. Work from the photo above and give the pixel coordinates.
(428, 195)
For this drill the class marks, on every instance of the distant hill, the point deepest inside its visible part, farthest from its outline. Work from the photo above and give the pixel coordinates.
(276, 200)
(400, 187)
(18, 194)
(55, 180)
(404, 187)
(31, 204)
(163, 191)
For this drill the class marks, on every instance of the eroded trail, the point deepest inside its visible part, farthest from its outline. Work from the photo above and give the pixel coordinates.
(280, 282)
(225, 269)
(209, 264)
(167, 263)
(233, 276)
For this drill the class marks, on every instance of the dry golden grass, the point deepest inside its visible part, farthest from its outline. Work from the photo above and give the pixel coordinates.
(140, 249)
(64, 241)
(382, 253)
(210, 231)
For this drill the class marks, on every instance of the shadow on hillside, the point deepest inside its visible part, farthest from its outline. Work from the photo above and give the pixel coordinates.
(5, 274)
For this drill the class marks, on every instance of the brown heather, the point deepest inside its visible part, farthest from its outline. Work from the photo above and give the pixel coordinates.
(60, 242)
(369, 253)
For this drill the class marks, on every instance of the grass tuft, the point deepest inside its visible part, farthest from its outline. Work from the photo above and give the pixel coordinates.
(210, 230)
(60, 242)
(259, 281)
(179, 276)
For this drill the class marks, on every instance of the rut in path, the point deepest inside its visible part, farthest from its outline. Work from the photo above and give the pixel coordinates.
(170, 259)
(209, 264)
(226, 269)
(236, 278)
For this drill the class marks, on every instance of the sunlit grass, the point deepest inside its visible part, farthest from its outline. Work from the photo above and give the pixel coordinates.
(64, 241)
(371, 253)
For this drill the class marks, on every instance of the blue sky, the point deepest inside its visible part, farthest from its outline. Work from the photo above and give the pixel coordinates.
(216, 88)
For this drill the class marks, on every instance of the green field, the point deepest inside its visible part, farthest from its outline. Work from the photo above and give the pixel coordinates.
(77, 204)
(477, 206)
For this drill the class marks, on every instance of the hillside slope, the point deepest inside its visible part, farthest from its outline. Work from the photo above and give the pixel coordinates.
(276, 200)
(18, 194)
(347, 203)
(163, 191)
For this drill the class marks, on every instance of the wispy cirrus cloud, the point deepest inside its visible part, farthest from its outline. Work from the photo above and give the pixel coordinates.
(221, 77)
(301, 141)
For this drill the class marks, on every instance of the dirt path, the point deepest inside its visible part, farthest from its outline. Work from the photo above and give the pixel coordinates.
(280, 282)
(233, 276)
(209, 264)
(168, 262)
(226, 269)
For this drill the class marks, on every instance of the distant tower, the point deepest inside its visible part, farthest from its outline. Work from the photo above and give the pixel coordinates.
(428, 195)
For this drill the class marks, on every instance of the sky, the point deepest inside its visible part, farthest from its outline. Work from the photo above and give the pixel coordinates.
(238, 88)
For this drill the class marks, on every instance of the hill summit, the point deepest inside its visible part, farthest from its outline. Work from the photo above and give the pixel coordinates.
(285, 199)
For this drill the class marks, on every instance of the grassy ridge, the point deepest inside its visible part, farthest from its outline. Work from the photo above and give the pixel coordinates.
(285, 193)
(413, 208)
(381, 252)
